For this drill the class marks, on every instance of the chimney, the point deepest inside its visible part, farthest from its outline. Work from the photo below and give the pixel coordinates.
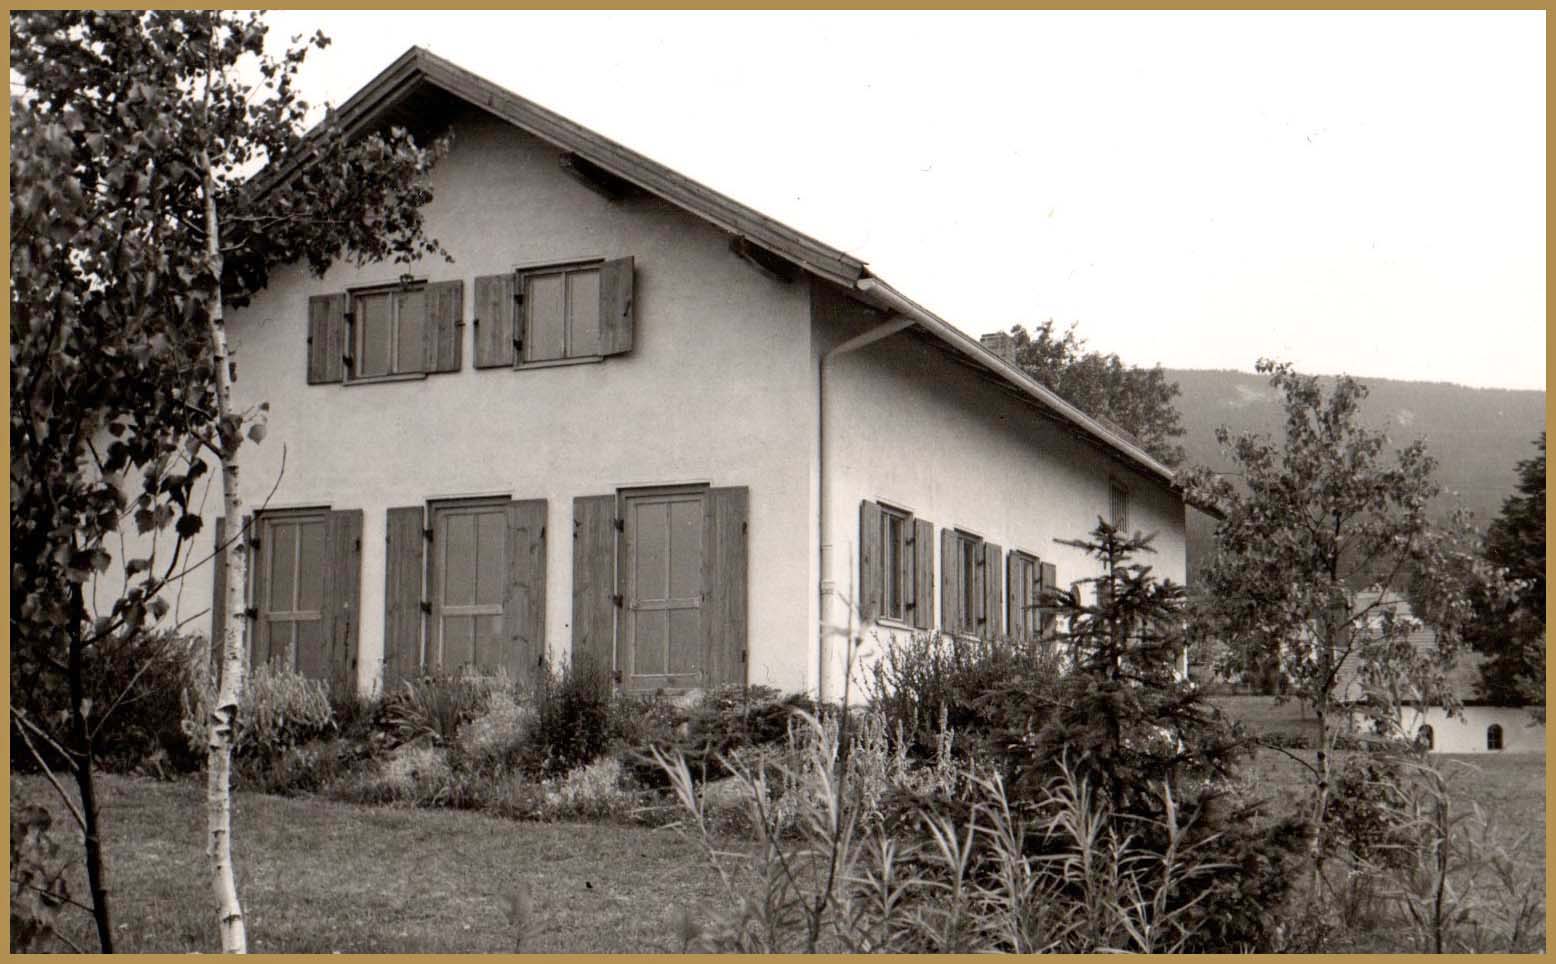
(1001, 344)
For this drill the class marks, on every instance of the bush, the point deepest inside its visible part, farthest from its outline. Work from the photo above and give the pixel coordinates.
(439, 703)
(279, 709)
(573, 716)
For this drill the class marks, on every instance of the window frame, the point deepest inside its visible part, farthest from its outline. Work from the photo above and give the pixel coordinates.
(904, 565)
(1026, 626)
(521, 278)
(433, 644)
(356, 332)
(626, 589)
(258, 584)
(1496, 739)
(970, 560)
(1426, 736)
(1118, 504)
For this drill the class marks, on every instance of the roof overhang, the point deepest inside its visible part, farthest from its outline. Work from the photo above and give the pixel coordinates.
(419, 80)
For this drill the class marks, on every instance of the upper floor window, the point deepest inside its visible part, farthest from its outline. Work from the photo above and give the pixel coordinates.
(401, 329)
(1118, 505)
(555, 313)
(387, 328)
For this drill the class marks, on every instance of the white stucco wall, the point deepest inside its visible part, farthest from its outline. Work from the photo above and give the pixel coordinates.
(713, 391)
(907, 425)
(1520, 733)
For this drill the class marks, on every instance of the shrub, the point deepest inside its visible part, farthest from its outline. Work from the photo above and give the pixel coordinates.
(496, 738)
(573, 714)
(417, 774)
(439, 703)
(279, 709)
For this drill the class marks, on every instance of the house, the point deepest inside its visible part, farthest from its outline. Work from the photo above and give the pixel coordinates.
(637, 421)
(1482, 726)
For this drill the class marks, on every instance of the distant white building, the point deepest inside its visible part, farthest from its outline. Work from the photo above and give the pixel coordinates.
(1482, 727)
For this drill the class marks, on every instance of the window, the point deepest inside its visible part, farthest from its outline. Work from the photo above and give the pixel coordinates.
(1426, 737)
(385, 331)
(1024, 594)
(896, 565)
(552, 314)
(1118, 505)
(464, 588)
(1494, 736)
(970, 592)
(303, 590)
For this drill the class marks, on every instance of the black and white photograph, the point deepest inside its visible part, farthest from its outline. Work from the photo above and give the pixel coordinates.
(777, 481)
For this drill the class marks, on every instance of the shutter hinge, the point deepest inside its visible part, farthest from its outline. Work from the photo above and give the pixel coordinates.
(518, 345)
(616, 676)
(542, 532)
(310, 339)
(745, 527)
(347, 360)
(426, 534)
(251, 613)
(426, 607)
(620, 525)
(616, 600)
(742, 655)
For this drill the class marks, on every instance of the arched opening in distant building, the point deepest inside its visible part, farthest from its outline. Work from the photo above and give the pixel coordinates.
(1494, 736)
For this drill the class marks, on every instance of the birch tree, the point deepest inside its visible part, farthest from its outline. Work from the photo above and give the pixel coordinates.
(137, 219)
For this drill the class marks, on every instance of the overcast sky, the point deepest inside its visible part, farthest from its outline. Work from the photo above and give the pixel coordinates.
(1356, 192)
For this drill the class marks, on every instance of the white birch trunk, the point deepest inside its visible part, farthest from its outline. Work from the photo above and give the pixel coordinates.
(233, 557)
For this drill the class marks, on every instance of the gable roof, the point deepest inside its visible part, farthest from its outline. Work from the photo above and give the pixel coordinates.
(1460, 679)
(419, 80)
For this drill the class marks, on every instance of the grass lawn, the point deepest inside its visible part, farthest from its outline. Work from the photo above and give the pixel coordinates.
(317, 876)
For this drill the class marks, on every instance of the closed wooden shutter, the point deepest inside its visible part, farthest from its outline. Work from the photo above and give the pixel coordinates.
(923, 574)
(524, 603)
(992, 625)
(594, 581)
(405, 564)
(495, 333)
(616, 307)
(218, 598)
(342, 592)
(950, 583)
(726, 515)
(326, 338)
(1049, 582)
(445, 325)
(870, 578)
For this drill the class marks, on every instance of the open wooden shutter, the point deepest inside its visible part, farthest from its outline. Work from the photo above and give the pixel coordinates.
(342, 592)
(950, 583)
(923, 574)
(326, 338)
(594, 581)
(405, 564)
(524, 602)
(218, 598)
(870, 579)
(616, 307)
(444, 328)
(1049, 583)
(495, 331)
(992, 625)
(1014, 566)
(725, 523)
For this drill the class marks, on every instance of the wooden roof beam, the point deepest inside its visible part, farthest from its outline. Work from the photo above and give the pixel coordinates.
(773, 265)
(596, 178)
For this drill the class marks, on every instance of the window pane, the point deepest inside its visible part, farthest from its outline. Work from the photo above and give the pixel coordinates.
(651, 550)
(583, 313)
(491, 556)
(309, 654)
(372, 323)
(685, 640)
(310, 574)
(458, 559)
(489, 655)
(283, 548)
(652, 638)
(891, 565)
(544, 302)
(685, 549)
(971, 597)
(408, 343)
(458, 641)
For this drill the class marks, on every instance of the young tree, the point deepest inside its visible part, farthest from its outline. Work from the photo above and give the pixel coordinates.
(134, 223)
(1509, 628)
(1306, 521)
(1138, 400)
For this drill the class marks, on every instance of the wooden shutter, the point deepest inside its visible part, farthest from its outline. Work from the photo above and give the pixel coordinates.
(1048, 580)
(616, 307)
(923, 574)
(594, 580)
(342, 592)
(495, 332)
(326, 338)
(992, 625)
(444, 327)
(524, 603)
(950, 583)
(726, 515)
(870, 551)
(405, 563)
(1014, 565)
(218, 598)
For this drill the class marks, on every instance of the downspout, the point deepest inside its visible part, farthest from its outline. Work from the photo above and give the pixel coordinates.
(828, 586)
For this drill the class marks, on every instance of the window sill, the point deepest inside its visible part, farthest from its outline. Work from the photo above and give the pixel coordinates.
(381, 379)
(891, 622)
(560, 362)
